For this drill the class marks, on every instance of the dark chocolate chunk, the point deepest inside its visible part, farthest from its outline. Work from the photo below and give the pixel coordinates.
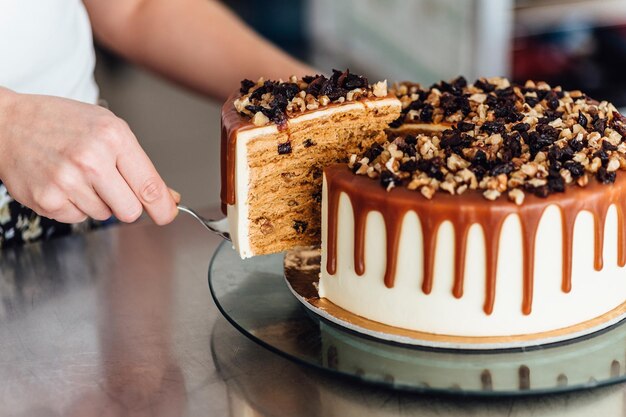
(459, 83)
(556, 183)
(352, 81)
(465, 126)
(387, 178)
(608, 146)
(552, 100)
(575, 168)
(548, 131)
(450, 138)
(505, 168)
(599, 125)
(255, 109)
(284, 148)
(604, 176)
(300, 226)
(373, 152)
(280, 118)
(448, 103)
(542, 191)
(315, 85)
(578, 144)
(603, 155)
(409, 166)
(619, 118)
(521, 127)
(484, 85)
(279, 102)
(537, 142)
(431, 168)
(455, 141)
(454, 87)
(308, 78)
(556, 154)
(480, 159)
(493, 127)
(246, 85)
(620, 128)
(308, 143)
(508, 113)
(267, 87)
(531, 101)
(512, 146)
(505, 92)
(426, 114)
(407, 149)
(316, 172)
(397, 123)
(289, 90)
(549, 116)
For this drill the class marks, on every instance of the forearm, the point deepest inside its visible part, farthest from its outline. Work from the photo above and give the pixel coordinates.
(197, 43)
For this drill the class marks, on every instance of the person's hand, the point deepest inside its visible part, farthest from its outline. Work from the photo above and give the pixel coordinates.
(67, 160)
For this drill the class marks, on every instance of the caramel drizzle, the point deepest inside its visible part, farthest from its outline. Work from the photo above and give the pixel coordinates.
(232, 123)
(366, 195)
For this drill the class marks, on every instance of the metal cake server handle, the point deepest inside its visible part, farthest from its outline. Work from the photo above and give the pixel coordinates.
(219, 227)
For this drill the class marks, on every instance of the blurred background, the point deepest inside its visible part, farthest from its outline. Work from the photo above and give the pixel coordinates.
(579, 44)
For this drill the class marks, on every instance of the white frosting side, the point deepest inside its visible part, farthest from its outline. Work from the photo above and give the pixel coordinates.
(405, 305)
(238, 218)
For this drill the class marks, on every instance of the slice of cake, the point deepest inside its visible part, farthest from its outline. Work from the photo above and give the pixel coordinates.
(505, 219)
(276, 139)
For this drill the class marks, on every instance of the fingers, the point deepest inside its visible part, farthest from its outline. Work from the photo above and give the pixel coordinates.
(175, 195)
(116, 193)
(86, 200)
(69, 183)
(67, 213)
(138, 171)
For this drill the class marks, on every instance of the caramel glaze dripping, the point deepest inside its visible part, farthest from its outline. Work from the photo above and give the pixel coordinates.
(232, 123)
(367, 195)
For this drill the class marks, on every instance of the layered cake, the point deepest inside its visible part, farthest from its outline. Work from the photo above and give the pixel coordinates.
(492, 211)
(277, 136)
(484, 212)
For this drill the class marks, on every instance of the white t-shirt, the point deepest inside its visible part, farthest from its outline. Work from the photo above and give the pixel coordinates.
(46, 47)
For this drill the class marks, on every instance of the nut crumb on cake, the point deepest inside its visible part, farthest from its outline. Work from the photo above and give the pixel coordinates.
(498, 138)
(266, 101)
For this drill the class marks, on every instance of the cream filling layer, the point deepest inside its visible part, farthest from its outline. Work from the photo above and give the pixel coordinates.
(405, 305)
(238, 217)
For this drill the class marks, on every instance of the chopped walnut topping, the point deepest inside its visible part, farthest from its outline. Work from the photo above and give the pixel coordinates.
(260, 119)
(502, 139)
(380, 89)
(491, 194)
(517, 196)
(280, 100)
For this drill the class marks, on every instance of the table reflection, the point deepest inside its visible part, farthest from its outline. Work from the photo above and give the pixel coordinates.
(85, 328)
(140, 375)
(261, 383)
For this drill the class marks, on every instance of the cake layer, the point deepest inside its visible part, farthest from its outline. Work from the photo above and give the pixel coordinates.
(272, 175)
(465, 266)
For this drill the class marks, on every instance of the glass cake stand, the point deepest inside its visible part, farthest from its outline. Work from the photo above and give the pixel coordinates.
(252, 294)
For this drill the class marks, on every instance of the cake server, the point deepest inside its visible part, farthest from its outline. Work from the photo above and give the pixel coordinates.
(219, 227)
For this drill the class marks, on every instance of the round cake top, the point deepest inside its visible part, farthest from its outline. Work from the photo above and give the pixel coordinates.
(496, 137)
(268, 101)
